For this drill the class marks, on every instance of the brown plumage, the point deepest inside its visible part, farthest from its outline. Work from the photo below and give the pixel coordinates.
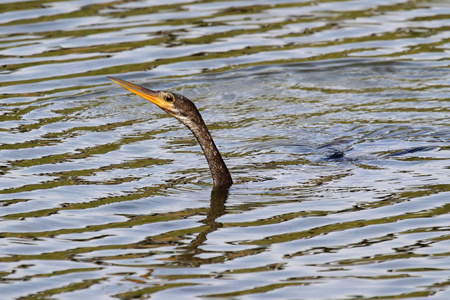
(185, 111)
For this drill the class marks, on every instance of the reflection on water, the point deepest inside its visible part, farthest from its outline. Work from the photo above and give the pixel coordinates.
(332, 116)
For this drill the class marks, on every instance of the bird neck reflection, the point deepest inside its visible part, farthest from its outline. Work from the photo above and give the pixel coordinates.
(190, 255)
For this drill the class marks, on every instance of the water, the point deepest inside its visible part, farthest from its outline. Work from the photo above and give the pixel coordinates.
(333, 117)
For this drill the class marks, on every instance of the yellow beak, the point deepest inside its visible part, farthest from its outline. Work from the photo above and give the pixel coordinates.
(145, 93)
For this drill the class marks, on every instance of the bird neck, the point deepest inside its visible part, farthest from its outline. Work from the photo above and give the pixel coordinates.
(221, 175)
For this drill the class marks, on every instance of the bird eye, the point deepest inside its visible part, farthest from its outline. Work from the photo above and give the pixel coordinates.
(169, 98)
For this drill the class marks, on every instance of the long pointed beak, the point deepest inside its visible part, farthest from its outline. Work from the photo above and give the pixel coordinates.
(145, 93)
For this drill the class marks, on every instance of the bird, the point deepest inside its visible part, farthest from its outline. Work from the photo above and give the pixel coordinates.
(183, 109)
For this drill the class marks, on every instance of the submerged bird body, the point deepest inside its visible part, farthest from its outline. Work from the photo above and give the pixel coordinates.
(187, 113)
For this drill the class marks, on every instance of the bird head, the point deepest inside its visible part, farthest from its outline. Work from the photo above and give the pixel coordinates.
(174, 104)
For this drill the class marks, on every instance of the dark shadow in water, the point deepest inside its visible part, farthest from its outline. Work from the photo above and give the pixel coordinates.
(411, 150)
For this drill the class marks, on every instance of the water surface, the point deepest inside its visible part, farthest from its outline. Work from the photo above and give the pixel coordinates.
(333, 117)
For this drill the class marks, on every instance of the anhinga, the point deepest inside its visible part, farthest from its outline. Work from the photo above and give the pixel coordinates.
(185, 111)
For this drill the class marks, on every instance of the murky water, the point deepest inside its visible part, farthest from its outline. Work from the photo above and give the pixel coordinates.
(333, 117)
